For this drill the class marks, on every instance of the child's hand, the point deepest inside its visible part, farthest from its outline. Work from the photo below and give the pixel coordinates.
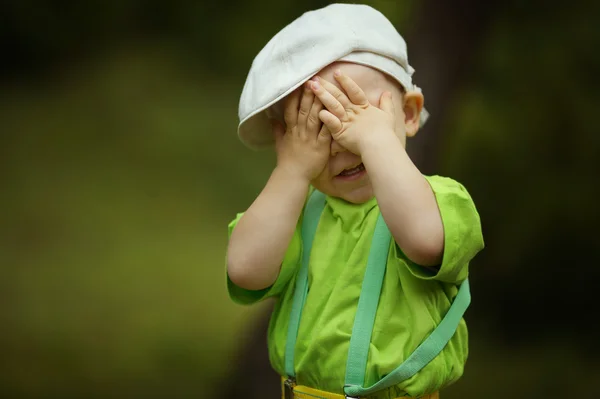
(303, 147)
(349, 116)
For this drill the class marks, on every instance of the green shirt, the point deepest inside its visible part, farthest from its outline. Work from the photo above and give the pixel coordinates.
(413, 299)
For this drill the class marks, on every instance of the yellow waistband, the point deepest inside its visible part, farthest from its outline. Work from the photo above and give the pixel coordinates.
(304, 392)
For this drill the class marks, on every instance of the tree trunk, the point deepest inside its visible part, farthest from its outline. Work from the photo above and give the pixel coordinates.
(442, 46)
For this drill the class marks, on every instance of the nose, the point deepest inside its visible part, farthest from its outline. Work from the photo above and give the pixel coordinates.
(336, 148)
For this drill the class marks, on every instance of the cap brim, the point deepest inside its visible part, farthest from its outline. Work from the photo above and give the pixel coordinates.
(255, 130)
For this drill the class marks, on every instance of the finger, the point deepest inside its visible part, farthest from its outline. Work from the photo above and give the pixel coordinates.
(306, 103)
(354, 92)
(331, 121)
(386, 103)
(334, 90)
(328, 100)
(290, 112)
(324, 134)
(313, 122)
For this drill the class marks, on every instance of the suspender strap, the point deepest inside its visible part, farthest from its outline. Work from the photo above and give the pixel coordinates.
(425, 352)
(362, 329)
(310, 221)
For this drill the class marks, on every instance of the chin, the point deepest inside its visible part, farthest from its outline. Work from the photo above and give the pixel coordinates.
(359, 195)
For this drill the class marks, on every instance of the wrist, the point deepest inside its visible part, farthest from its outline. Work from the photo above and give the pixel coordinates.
(378, 140)
(291, 175)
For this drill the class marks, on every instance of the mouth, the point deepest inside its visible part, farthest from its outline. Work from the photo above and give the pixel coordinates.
(352, 173)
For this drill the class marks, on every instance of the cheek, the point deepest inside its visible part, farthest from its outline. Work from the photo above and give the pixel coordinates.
(323, 182)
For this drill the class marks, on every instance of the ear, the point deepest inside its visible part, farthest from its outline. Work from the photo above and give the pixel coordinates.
(413, 105)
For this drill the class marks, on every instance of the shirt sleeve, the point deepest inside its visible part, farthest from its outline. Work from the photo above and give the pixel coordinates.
(289, 266)
(462, 233)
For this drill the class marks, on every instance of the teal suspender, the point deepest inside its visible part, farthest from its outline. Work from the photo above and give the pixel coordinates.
(365, 313)
(312, 214)
(426, 352)
(367, 306)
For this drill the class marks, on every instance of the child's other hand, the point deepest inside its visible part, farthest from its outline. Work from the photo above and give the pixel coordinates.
(303, 147)
(349, 116)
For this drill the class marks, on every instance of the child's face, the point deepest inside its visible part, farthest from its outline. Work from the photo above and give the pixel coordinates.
(357, 188)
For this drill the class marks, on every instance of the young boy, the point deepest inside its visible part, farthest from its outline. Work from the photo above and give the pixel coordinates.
(368, 258)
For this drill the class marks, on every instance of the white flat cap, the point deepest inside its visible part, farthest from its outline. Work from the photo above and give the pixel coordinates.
(339, 32)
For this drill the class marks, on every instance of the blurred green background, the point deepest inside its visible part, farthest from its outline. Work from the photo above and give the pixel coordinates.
(120, 169)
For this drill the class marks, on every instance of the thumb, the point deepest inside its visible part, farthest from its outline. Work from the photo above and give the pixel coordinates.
(324, 134)
(386, 103)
